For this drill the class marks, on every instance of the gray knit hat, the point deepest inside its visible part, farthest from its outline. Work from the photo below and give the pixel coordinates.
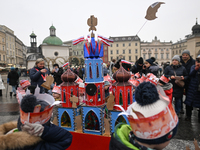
(177, 57)
(186, 52)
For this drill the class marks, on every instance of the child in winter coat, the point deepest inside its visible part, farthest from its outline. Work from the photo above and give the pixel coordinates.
(167, 87)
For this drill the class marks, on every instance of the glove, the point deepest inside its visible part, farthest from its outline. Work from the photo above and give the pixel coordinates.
(33, 129)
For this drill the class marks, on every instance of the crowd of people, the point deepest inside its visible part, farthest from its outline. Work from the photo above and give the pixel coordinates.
(183, 74)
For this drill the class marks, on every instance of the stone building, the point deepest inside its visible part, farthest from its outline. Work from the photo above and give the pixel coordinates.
(191, 42)
(161, 51)
(2, 48)
(124, 47)
(19, 53)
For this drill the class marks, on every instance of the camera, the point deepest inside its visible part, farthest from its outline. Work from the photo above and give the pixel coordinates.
(144, 66)
(198, 60)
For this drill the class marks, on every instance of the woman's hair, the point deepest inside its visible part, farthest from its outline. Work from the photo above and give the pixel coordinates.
(38, 61)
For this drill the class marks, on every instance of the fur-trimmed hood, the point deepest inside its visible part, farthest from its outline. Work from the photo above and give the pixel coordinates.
(15, 140)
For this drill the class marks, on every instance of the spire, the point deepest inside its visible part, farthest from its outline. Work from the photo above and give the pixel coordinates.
(196, 21)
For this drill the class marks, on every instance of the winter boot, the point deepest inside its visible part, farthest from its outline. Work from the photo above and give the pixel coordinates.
(10, 94)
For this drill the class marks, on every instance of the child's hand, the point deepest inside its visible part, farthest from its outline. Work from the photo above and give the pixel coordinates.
(33, 129)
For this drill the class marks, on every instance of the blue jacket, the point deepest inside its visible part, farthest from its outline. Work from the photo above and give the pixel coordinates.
(180, 71)
(193, 96)
(36, 77)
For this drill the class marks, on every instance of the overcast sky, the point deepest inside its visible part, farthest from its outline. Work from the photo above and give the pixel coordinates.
(115, 18)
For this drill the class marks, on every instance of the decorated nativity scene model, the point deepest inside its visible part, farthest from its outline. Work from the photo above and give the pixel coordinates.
(94, 115)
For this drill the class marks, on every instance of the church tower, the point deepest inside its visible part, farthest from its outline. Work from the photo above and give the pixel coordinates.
(33, 40)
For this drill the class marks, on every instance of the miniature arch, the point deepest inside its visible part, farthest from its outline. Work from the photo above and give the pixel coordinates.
(120, 119)
(92, 121)
(65, 120)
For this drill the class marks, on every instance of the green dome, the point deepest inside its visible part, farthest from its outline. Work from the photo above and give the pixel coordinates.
(32, 34)
(52, 40)
(52, 27)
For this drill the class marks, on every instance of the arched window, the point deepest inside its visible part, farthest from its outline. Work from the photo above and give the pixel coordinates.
(99, 94)
(120, 119)
(129, 99)
(64, 96)
(90, 71)
(120, 98)
(71, 92)
(91, 121)
(65, 120)
(97, 68)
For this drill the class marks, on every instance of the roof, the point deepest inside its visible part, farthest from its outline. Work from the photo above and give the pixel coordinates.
(32, 34)
(125, 38)
(52, 40)
(52, 27)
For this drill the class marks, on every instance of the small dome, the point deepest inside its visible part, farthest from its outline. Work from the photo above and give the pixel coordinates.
(32, 34)
(121, 75)
(53, 40)
(68, 76)
(52, 27)
(196, 28)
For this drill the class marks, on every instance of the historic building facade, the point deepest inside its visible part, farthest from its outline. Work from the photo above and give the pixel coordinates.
(191, 42)
(19, 52)
(124, 47)
(161, 51)
(52, 50)
(2, 48)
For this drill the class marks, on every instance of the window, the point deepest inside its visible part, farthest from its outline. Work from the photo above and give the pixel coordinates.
(56, 53)
(129, 57)
(4, 58)
(173, 52)
(105, 48)
(110, 45)
(167, 50)
(136, 51)
(81, 52)
(149, 55)
(105, 52)
(176, 51)
(123, 45)
(123, 51)
(2, 39)
(135, 44)
(136, 57)
(161, 55)
(111, 52)
(144, 56)
(117, 57)
(143, 50)
(111, 58)
(156, 56)
(179, 51)
(129, 44)
(117, 51)
(3, 48)
(155, 50)
(10, 46)
(129, 51)
(116, 45)
(167, 56)
(0, 57)
(150, 50)
(124, 58)
(161, 50)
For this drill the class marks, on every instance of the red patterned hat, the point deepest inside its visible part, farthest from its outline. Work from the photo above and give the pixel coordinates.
(24, 83)
(164, 79)
(56, 89)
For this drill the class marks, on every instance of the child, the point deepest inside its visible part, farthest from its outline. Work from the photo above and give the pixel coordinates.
(34, 132)
(167, 87)
(56, 93)
(81, 97)
(57, 96)
(153, 122)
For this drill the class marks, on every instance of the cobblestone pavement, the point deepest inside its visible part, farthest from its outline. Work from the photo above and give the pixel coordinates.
(187, 131)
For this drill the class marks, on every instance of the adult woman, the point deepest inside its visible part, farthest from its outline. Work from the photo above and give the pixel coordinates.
(176, 69)
(193, 93)
(150, 67)
(38, 73)
(12, 79)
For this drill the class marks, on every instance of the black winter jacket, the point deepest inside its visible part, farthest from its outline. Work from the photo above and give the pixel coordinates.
(13, 77)
(180, 71)
(193, 95)
(36, 77)
(57, 76)
(187, 66)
